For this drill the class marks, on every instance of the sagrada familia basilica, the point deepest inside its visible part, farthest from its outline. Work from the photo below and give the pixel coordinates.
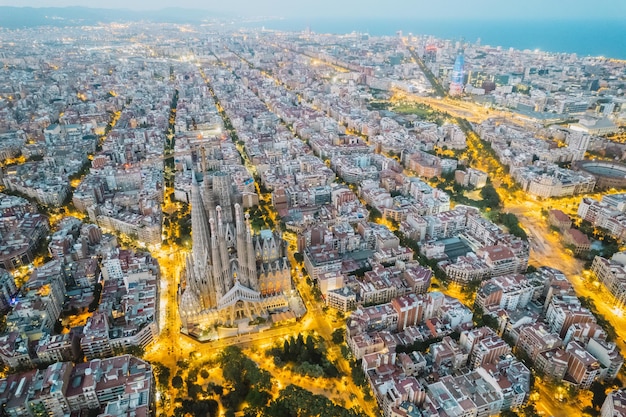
(232, 275)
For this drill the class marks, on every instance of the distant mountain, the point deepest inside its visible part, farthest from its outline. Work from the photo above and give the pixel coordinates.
(20, 17)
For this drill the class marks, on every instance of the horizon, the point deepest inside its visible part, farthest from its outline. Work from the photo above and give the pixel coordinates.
(396, 9)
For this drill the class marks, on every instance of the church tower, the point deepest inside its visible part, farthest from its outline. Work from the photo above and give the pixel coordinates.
(243, 271)
(202, 278)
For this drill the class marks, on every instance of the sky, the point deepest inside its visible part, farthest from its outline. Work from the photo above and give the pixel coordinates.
(433, 9)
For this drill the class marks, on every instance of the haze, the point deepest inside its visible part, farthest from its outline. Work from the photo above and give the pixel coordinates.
(476, 9)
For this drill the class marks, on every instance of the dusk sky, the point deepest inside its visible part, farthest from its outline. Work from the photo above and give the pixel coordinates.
(475, 9)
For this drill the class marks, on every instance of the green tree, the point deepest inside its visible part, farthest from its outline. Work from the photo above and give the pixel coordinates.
(177, 382)
(244, 376)
(338, 336)
(491, 197)
(374, 214)
(294, 401)
(162, 373)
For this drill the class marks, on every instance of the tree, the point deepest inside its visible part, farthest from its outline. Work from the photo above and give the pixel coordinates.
(511, 222)
(599, 391)
(58, 327)
(296, 401)
(162, 372)
(258, 399)
(490, 196)
(530, 410)
(134, 350)
(177, 382)
(245, 377)
(97, 291)
(204, 408)
(215, 388)
(310, 344)
(193, 390)
(338, 336)
(358, 376)
(374, 214)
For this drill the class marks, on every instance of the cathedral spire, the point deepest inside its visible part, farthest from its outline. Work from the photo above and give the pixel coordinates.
(251, 257)
(227, 276)
(241, 247)
(203, 159)
(199, 229)
(216, 261)
(220, 223)
(209, 197)
(222, 190)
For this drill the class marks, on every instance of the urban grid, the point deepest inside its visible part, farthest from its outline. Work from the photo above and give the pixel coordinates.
(209, 220)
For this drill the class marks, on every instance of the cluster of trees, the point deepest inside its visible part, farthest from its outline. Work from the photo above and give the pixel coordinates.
(137, 351)
(599, 391)
(479, 149)
(529, 410)
(307, 356)
(294, 401)
(162, 373)
(511, 222)
(298, 257)
(481, 319)
(338, 335)
(374, 214)
(358, 375)
(490, 197)
(457, 194)
(196, 402)
(181, 219)
(360, 272)
(108, 127)
(378, 105)
(192, 405)
(447, 183)
(249, 383)
(198, 408)
(610, 245)
(420, 346)
(84, 169)
(260, 217)
(423, 111)
(171, 128)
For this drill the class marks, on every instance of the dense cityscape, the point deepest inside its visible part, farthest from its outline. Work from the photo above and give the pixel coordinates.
(209, 220)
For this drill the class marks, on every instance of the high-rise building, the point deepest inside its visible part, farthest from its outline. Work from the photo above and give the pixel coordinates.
(458, 76)
(430, 53)
(232, 275)
(7, 289)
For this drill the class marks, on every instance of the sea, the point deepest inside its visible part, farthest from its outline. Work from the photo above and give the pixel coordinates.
(583, 37)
